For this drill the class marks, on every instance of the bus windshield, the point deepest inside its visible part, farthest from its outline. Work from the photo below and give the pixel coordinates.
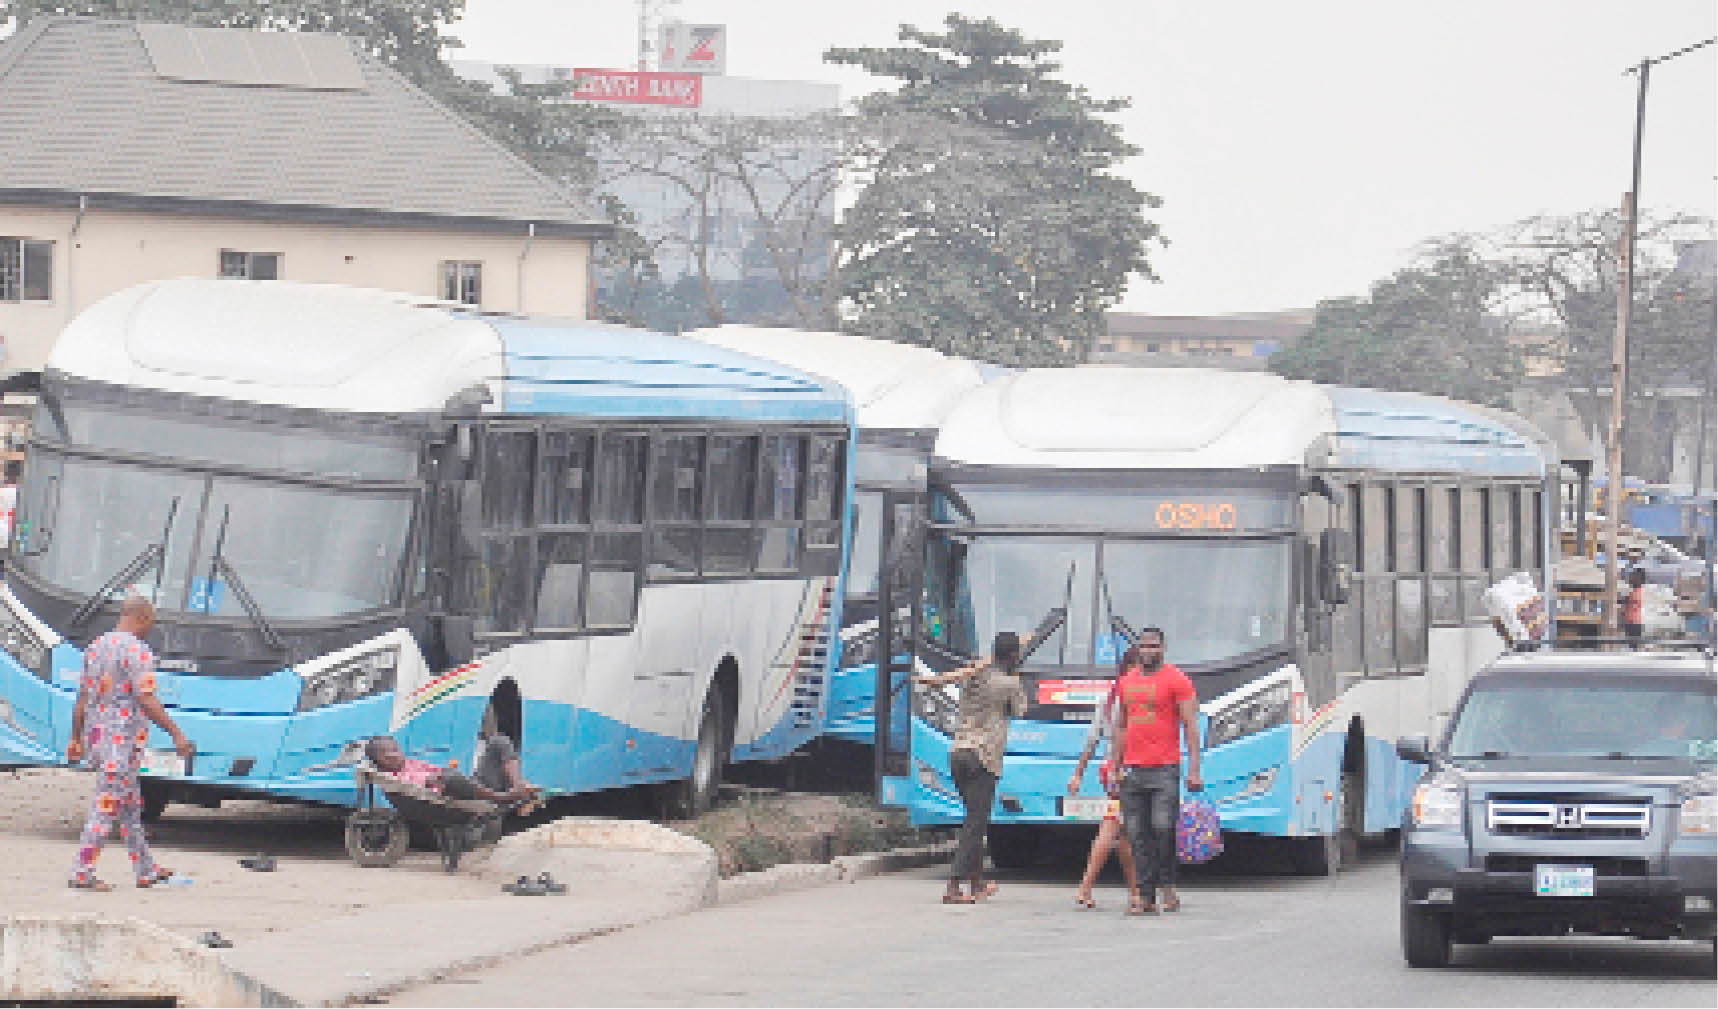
(1214, 599)
(301, 551)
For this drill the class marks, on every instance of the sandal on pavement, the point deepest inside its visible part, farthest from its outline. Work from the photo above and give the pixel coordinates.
(990, 890)
(550, 885)
(215, 940)
(1137, 908)
(160, 875)
(89, 884)
(1172, 904)
(958, 898)
(259, 863)
(1085, 903)
(525, 886)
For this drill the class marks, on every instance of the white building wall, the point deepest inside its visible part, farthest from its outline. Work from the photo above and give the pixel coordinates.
(107, 251)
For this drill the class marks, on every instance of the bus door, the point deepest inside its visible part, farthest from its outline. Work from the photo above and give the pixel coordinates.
(900, 600)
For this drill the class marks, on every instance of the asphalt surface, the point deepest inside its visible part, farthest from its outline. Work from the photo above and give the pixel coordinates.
(1249, 934)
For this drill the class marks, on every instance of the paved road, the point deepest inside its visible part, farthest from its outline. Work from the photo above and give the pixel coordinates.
(1247, 936)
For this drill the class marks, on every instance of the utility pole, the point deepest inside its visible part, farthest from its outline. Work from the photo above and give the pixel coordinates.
(1619, 347)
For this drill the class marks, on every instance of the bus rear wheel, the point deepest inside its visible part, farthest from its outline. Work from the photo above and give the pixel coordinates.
(695, 795)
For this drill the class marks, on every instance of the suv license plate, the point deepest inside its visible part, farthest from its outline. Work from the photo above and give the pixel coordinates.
(1563, 880)
(162, 762)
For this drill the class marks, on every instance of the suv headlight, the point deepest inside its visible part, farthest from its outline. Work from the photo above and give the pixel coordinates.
(1266, 709)
(1437, 805)
(21, 642)
(938, 706)
(360, 676)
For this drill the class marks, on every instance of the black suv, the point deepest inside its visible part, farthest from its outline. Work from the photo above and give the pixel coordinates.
(1571, 792)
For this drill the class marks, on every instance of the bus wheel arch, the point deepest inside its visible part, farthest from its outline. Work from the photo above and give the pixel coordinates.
(509, 710)
(712, 747)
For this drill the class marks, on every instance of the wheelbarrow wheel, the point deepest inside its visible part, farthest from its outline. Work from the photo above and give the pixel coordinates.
(376, 839)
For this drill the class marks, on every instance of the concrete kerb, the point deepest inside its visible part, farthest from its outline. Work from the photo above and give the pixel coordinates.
(76, 957)
(841, 869)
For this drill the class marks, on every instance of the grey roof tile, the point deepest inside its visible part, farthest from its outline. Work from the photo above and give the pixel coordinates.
(84, 111)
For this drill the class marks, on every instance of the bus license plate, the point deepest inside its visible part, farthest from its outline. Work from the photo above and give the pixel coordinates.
(1563, 880)
(162, 762)
(1084, 809)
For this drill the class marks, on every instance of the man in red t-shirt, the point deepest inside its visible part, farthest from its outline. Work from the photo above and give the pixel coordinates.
(1155, 705)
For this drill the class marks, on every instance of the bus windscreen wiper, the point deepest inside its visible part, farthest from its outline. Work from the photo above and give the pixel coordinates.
(154, 554)
(219, 565)
(1046, 627)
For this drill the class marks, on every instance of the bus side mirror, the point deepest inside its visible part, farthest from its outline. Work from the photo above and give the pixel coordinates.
(1335, 565)
(470, 505)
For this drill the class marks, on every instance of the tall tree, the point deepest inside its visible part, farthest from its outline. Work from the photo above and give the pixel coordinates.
(989, 223)
(1441, 326)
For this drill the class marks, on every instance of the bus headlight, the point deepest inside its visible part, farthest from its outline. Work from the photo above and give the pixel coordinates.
(350, 680)
(1437, 805)
(938, 706)
(21, 642)
(1266, 709)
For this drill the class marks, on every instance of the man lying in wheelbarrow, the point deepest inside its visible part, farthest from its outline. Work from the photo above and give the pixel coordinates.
(498, 778)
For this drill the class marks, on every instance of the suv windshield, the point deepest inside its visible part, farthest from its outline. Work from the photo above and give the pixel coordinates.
(1644, 718)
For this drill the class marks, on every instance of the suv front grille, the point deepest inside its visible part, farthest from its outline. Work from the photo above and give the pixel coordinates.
(1551, 817)
(1604, 866)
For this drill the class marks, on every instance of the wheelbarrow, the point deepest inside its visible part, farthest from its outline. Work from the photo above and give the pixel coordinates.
(377, 836)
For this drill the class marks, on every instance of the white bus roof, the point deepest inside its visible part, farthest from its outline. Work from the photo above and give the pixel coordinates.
(324, 346)
(1118, 418)
(895, 386)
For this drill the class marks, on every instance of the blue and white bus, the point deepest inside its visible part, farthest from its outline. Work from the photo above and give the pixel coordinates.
(901, 393)
(1315, 555)
(358, 512)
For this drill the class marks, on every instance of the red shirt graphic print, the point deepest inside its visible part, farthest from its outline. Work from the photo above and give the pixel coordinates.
(1151, 726)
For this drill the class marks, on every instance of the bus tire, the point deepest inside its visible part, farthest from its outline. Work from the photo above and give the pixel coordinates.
(693, 796)
(1013, 846)
(376, 839)
(156, 795)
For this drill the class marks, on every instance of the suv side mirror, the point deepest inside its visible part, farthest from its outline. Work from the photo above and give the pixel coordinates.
(1335, 565)
(1414, 749)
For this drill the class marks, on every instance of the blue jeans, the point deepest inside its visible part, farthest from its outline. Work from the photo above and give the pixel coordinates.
(1150, 804)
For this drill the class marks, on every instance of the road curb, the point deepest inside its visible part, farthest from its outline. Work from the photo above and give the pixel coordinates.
(841, 869)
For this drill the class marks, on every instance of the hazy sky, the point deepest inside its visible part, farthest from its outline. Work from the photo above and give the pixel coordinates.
(1301, 149)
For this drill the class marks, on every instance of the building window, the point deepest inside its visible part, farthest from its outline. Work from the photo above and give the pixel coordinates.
(250, 265)
(462, 282)
(26, 270)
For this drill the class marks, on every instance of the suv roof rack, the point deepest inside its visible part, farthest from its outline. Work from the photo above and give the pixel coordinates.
(1707, 648)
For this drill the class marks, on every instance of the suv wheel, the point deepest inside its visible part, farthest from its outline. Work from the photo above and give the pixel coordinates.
(1425, 936)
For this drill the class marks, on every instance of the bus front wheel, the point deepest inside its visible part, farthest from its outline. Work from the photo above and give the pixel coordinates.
(156, 793)
(694, 795)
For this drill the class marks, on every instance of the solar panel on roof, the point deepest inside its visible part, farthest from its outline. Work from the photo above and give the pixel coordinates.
(305, 60)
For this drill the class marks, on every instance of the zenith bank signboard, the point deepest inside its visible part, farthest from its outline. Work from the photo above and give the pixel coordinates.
(639, 87)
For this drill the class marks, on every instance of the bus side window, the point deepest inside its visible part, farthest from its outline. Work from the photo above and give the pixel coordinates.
(823, 484)
(617, 530)
(676, 493)
(781, 473)
(730, 503)
(563, 517)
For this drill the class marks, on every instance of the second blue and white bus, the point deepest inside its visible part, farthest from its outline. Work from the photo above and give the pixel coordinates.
(1314, 555)
(901, 393)
(361, 513)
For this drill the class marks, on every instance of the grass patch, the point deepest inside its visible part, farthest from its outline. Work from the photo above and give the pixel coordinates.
(761, 828)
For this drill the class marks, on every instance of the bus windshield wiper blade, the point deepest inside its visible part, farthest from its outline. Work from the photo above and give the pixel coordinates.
(1487, 755)
(219, 565)
(155, 553)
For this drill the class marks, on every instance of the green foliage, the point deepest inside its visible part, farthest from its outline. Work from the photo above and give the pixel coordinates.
(1436, 327)
(989, 224)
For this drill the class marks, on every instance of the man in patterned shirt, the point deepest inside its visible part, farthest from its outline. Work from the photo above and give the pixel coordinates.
(110, 727)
